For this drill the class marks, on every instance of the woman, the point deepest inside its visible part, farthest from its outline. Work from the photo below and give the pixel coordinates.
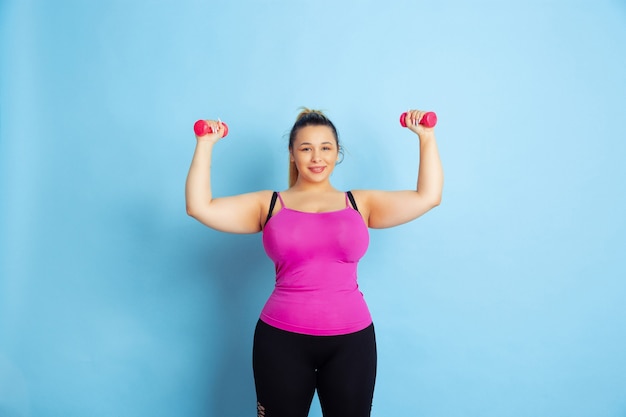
(315, 331)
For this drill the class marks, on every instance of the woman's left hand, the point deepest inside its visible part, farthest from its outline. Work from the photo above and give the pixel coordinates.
(412, 120)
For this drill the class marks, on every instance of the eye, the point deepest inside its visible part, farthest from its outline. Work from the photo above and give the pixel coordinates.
(327, 148)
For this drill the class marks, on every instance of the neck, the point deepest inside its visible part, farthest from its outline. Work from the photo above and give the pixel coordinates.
(312, 187)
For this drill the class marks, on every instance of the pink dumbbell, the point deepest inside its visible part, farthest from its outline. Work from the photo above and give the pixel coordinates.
(201, 128)
(429, 119)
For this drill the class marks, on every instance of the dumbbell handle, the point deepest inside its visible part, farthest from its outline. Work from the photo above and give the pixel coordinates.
(429, 119)
(201, 128)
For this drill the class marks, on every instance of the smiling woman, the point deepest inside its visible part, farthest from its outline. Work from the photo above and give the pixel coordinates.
(315, 332)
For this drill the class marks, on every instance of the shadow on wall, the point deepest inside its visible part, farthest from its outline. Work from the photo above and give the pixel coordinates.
(244, 286)
(242, 279)
(13, 392)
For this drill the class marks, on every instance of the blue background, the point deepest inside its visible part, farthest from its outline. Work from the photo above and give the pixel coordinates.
(507, 300)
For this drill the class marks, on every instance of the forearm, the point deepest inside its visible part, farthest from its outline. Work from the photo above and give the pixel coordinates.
(198, 186)
(430, 173)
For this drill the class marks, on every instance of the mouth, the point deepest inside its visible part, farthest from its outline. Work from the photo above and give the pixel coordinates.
(317, 170)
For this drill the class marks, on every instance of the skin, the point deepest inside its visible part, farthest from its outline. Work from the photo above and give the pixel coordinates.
(315, 154)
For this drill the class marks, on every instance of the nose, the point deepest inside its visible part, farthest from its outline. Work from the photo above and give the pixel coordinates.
(315, 155)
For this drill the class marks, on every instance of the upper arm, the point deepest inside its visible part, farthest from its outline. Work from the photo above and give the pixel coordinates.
(382, 209)
(241, 213)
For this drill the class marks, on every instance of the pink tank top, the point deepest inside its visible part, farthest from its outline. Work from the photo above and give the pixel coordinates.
(316, 257)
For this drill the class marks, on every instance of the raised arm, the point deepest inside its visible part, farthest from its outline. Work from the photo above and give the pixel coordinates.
(391, 208)
(237, 214)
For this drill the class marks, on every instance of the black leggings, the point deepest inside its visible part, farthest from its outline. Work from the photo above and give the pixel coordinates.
(289, 367)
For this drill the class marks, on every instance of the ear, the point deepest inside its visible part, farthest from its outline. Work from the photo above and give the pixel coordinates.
(291, 158)
(340, 156)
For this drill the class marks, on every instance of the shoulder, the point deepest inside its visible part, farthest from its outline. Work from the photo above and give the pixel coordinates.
(376, 206)
(259, 202)
(259, 199)
(368, 197)
(362, 203)
(263, 196)
(365, 196)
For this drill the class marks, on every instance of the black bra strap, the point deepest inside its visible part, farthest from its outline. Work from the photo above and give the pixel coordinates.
(272, 204)
(351, 197)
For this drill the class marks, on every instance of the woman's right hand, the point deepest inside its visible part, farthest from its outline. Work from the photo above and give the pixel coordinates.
(413, 118)
(218, 129)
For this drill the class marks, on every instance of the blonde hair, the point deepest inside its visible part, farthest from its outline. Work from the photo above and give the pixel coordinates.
(307, 117)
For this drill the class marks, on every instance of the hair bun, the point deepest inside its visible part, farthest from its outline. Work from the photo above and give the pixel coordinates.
(306, 112)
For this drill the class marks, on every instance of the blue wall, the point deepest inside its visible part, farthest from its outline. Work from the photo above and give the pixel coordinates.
(507, 300)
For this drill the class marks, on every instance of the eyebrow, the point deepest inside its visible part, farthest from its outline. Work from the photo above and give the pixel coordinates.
(309, 143)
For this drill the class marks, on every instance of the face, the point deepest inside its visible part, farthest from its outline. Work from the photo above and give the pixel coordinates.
(315, 153)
